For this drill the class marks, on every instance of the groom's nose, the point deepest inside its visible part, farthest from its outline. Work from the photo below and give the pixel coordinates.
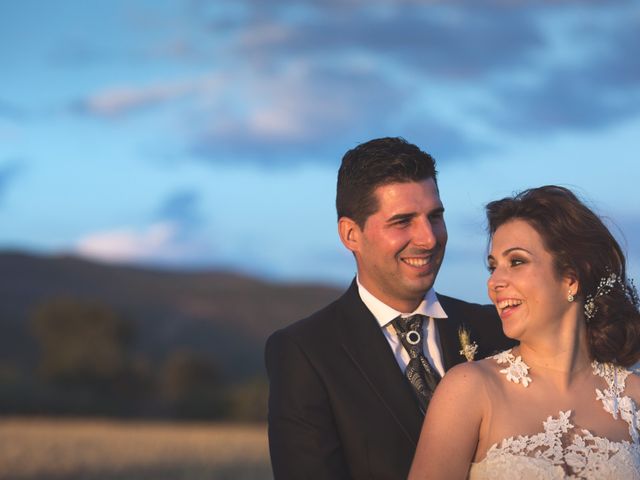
(423, 234)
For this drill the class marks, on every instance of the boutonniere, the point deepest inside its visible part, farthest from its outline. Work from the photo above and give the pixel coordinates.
(469, 348)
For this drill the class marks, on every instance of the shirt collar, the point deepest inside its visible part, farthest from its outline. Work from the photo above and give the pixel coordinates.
(429, 306)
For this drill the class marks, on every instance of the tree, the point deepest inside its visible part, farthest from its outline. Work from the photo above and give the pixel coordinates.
(192, 386)
(248, 400)
(81, 342)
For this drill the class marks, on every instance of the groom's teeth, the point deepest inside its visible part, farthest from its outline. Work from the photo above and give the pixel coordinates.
(416, 262)
(510, 302)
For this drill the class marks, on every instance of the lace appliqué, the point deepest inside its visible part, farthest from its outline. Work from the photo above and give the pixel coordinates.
(565, 452)
(612, 399)
(517, 371)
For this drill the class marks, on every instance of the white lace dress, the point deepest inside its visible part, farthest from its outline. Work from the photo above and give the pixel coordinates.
(562, 451)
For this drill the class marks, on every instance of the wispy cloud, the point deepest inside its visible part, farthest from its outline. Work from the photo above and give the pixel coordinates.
(442, 40)
(181, 209)
(159, 242)
(172, 235)
(293, 112)
(298, 76)
(597, 88)
(126, 244)
(121, 100)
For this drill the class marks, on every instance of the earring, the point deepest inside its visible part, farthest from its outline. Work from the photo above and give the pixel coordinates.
(570, 297)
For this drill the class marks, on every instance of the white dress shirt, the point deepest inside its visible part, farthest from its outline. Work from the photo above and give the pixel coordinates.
(429, 307)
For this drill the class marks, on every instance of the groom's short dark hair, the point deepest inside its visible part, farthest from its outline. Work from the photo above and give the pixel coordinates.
(374, 163)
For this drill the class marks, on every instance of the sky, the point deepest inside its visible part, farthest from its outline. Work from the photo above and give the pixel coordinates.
(207, 134)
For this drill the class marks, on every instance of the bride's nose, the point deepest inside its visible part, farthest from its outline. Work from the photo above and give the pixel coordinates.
(497, 280)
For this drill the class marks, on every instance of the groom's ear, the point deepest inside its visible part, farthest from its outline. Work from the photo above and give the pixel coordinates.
(349, 232)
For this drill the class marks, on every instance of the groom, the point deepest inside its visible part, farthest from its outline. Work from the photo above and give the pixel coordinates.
(340, 405)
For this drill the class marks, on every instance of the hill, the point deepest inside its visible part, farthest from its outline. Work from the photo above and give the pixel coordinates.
(222, 315)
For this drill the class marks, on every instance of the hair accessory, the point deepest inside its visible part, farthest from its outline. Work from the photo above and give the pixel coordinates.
(606, 285)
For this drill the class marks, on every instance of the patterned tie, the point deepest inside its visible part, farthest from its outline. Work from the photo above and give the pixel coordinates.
(423, 377)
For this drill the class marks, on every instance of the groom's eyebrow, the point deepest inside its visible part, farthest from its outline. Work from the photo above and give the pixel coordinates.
(401, 216)
(410, 215)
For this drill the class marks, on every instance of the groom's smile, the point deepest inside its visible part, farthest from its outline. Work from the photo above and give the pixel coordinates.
(416, 261)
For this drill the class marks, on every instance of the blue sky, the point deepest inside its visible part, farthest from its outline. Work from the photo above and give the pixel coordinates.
(207, 134)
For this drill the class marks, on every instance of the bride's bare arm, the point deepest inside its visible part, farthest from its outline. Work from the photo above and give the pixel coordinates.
(451, 428)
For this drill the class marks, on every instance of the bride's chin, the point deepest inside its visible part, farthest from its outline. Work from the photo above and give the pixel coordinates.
(511, 331)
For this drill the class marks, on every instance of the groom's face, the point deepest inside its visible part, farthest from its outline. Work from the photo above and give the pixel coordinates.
(400, 249)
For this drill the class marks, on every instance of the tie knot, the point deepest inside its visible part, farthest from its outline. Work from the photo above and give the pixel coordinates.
(409, 331)
(407, 324)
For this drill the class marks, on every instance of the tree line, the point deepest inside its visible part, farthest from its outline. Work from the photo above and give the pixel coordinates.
(87, 365)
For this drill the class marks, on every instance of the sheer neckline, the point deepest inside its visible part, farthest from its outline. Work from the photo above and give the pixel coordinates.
(562, 450)
(575, 451)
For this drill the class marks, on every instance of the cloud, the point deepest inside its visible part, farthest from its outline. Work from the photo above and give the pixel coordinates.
(122, 100)
(443, 40)
(291, 112)
(126, 244)
(158, 242)
(172, 236)
(566, 100)
(181, 209)
(599, 87)
(307, 111)
(350, 70)
(293, 82)
(614, 66)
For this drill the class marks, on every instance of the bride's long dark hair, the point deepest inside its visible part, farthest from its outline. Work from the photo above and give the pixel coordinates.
(580, 243)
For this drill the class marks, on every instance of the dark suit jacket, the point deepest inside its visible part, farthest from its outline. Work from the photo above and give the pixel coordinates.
(339, 405)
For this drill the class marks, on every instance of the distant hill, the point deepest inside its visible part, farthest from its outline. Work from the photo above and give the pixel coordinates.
(223, 315)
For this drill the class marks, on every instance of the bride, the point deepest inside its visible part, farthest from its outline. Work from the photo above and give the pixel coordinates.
(562, 404)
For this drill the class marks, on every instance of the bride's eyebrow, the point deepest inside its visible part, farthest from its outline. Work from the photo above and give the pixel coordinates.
(514, 249)
(507, 252)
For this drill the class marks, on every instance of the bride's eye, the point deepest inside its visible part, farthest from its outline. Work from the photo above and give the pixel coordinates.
(515, 261)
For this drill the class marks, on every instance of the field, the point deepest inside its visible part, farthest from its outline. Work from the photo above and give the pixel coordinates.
(55, 449)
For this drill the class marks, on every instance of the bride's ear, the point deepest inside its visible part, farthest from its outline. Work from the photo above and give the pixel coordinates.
(572, 283)
(350, 233)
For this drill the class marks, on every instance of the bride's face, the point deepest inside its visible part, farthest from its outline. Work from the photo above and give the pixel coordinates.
(530, 296)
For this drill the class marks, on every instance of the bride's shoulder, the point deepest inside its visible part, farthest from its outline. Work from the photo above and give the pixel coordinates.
(469, 373)
(468, 386)
(461, 384)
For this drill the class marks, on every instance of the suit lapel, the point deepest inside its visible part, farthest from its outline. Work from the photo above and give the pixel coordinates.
(449, 343)
(366, 346)
(448, 333)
